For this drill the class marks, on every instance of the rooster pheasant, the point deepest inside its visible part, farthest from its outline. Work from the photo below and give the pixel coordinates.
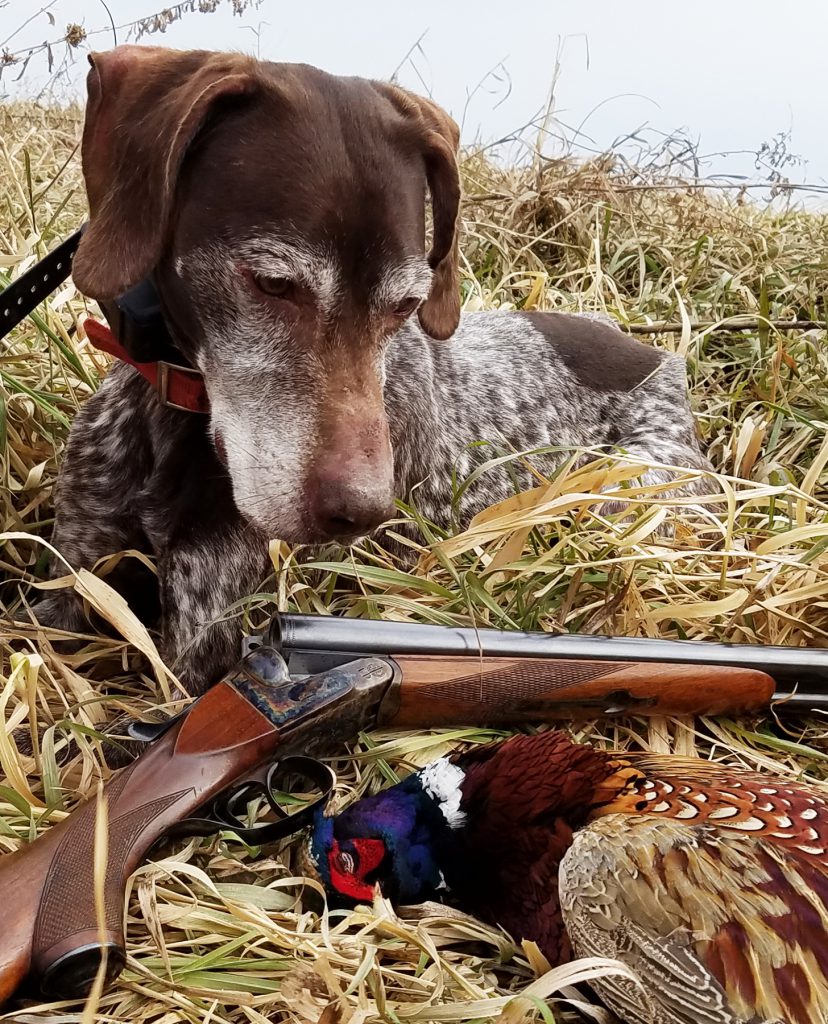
(711, 883)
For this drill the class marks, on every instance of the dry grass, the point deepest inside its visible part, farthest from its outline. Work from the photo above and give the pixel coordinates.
(220, 933)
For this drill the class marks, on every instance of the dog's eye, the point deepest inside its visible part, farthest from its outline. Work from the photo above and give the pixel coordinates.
(275, 287)
(407, 306)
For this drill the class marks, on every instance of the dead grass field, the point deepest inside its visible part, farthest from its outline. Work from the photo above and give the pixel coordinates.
(221, 933)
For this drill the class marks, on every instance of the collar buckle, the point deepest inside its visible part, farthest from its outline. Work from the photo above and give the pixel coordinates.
(165, 369)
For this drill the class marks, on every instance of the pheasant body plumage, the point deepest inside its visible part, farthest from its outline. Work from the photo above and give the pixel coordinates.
(710, 882)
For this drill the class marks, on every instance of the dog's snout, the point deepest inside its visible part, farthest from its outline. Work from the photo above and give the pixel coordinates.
(350, 489)
(344, 509)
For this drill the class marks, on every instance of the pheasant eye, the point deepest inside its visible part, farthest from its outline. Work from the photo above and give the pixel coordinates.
(344, 862)
(344, 878)
(370, 853)
(349, 868)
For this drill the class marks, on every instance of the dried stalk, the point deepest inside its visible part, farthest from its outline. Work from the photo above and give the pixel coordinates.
(731, 324)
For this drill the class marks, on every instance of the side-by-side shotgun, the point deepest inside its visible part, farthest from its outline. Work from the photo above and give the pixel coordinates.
(307, 687)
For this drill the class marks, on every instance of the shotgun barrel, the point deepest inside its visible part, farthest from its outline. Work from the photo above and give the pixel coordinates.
(801, 673)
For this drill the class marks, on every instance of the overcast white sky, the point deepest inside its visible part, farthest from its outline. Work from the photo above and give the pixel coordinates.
(732, 73)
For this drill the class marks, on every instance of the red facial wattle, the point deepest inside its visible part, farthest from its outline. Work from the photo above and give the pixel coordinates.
(369, 854)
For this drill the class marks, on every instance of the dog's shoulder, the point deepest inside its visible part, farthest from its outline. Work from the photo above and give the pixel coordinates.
(598, 354)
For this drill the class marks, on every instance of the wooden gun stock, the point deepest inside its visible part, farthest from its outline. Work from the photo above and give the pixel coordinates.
(439, 691)
(46, 889)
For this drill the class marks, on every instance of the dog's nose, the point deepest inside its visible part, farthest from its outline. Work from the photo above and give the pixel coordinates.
(349, 490)
(345, 509)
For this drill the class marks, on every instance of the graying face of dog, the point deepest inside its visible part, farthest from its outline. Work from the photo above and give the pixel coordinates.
(282, 213)
(296, 390)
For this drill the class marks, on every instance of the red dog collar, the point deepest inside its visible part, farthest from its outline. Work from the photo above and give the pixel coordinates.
(178, 387)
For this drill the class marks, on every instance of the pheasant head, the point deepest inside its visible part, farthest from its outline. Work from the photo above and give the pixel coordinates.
(397, 839)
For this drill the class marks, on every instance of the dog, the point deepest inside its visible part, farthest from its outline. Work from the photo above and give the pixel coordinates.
(280, 213)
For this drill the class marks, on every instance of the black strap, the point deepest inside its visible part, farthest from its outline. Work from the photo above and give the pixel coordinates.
(28, 291)
(141, 326)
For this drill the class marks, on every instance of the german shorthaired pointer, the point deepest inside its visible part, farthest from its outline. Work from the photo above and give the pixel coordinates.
(279, 212)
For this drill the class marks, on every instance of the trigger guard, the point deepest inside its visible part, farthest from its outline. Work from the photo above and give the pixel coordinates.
(254, 835)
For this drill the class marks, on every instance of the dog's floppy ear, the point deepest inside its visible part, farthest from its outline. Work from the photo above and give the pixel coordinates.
(440, 313)
(145, 106)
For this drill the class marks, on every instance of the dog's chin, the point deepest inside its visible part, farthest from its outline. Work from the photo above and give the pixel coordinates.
(317, 542)
(295, 534)
(298, 532)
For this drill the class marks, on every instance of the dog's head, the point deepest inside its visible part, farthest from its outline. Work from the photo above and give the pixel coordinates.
(282, 212)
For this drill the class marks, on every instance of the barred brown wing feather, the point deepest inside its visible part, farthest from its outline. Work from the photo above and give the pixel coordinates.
(693, 769)
(722, 927)
(784, 812)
